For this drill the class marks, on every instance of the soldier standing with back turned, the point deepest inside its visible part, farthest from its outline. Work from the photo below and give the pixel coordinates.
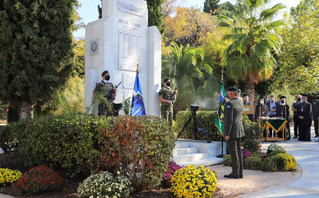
(234, 131)
(167, 96)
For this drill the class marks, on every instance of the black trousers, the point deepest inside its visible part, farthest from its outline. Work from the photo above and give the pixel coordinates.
(304, 132)
(296, 125)
(316, 122)
(233, 145)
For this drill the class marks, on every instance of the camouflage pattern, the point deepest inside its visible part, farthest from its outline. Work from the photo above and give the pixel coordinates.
(106, 106)
(167, 109)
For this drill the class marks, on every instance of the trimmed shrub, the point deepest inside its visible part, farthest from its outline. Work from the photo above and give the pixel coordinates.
(61, 142)
(254, 163)
(246, 153)
(270, 164)
(39, 179)
(104, 184)
(191, 181)
(227, 160)
(167, 177)
(274, 149)
(138, 147)
(8, 176)
(207, 119)
(251, 140)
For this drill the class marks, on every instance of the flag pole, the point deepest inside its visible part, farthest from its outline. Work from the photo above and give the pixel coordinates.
(222, 82)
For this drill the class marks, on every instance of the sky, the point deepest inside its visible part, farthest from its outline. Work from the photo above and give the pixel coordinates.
(88, 11)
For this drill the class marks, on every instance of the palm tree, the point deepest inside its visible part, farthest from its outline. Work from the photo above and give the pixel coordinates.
(256, 43)
(189, 71)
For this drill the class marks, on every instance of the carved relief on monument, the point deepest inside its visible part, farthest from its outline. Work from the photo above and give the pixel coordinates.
(130, 8)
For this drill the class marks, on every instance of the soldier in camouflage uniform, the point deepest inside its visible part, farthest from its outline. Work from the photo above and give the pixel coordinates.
(167, 96)
(105, 107)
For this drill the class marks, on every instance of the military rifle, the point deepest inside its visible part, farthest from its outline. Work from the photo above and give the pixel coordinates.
(109, 95)
(172, 98)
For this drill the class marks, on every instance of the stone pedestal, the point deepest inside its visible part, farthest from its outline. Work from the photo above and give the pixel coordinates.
(115, 43)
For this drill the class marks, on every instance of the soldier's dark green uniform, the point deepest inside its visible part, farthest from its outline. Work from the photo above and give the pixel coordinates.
(167, 109)
(105, 107)
(233, 127)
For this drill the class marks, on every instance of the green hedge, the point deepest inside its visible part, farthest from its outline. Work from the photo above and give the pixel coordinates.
(80, 144)
(7, 140)
(61, 142)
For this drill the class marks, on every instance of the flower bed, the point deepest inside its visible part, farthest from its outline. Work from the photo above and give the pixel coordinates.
(8, 176)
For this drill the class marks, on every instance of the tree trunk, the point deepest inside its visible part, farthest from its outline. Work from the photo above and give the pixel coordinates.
(26, 110)
(250, 89)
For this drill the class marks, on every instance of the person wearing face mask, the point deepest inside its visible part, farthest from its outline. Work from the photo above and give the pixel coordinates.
(304, 114)
(167, 97)
(105, 107)
(315, 114)
(261, 110)
(295, 107)
(272, 106)
(283, 112)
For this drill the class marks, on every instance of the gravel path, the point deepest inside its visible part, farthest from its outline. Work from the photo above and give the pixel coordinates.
(253, 180)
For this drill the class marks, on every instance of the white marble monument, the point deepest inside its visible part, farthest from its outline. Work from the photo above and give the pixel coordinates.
(115, 43)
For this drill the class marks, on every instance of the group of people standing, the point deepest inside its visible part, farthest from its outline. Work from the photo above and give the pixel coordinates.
(303, 113)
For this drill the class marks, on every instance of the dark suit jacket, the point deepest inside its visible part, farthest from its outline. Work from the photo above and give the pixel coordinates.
(233, 122)
(305, 110)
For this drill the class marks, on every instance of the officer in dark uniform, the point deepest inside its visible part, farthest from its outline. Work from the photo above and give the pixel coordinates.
(295, 107)
(304, 114)
(315, 113)
(106, 106)
(282, 111)
(234, 131)
(167, 97)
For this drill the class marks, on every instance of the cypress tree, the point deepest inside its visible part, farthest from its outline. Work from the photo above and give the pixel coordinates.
(35, 50)
(211, 6)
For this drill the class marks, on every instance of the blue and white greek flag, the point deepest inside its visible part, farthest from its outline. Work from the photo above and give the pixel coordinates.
(137, 105)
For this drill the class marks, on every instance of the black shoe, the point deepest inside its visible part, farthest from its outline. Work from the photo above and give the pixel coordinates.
(289, 137)
(317, 136)
(295, 137)
(232, 176)
(241, 176)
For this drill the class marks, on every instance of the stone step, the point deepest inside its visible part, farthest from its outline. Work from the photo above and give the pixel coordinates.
(204, 162)
(184, 151)
(180, 159)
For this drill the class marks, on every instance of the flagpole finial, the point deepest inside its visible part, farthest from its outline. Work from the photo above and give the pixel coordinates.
(138, 65)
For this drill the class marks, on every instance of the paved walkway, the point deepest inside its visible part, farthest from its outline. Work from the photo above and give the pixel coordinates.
(307, 186)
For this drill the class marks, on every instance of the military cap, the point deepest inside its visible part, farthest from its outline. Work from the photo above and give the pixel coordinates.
(281, 97)
(239, 90)
(105, 72)
(165, 80)
(232, 89)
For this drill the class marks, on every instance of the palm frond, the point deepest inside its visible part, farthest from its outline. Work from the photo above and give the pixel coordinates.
(269, 13)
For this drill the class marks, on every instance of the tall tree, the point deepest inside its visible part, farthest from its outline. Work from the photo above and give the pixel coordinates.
(299, 64)
(189, 26)
(155, 14)
(211, 6)
(256, 42)
(36, 50)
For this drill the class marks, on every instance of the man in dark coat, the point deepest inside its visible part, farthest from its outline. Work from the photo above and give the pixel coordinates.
(234, 131)
(282, 111)
(261, 109)
(304, 114)
(295, 107)
(315, 113)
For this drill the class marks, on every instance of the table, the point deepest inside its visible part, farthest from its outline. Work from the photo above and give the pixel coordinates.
(276, 124)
